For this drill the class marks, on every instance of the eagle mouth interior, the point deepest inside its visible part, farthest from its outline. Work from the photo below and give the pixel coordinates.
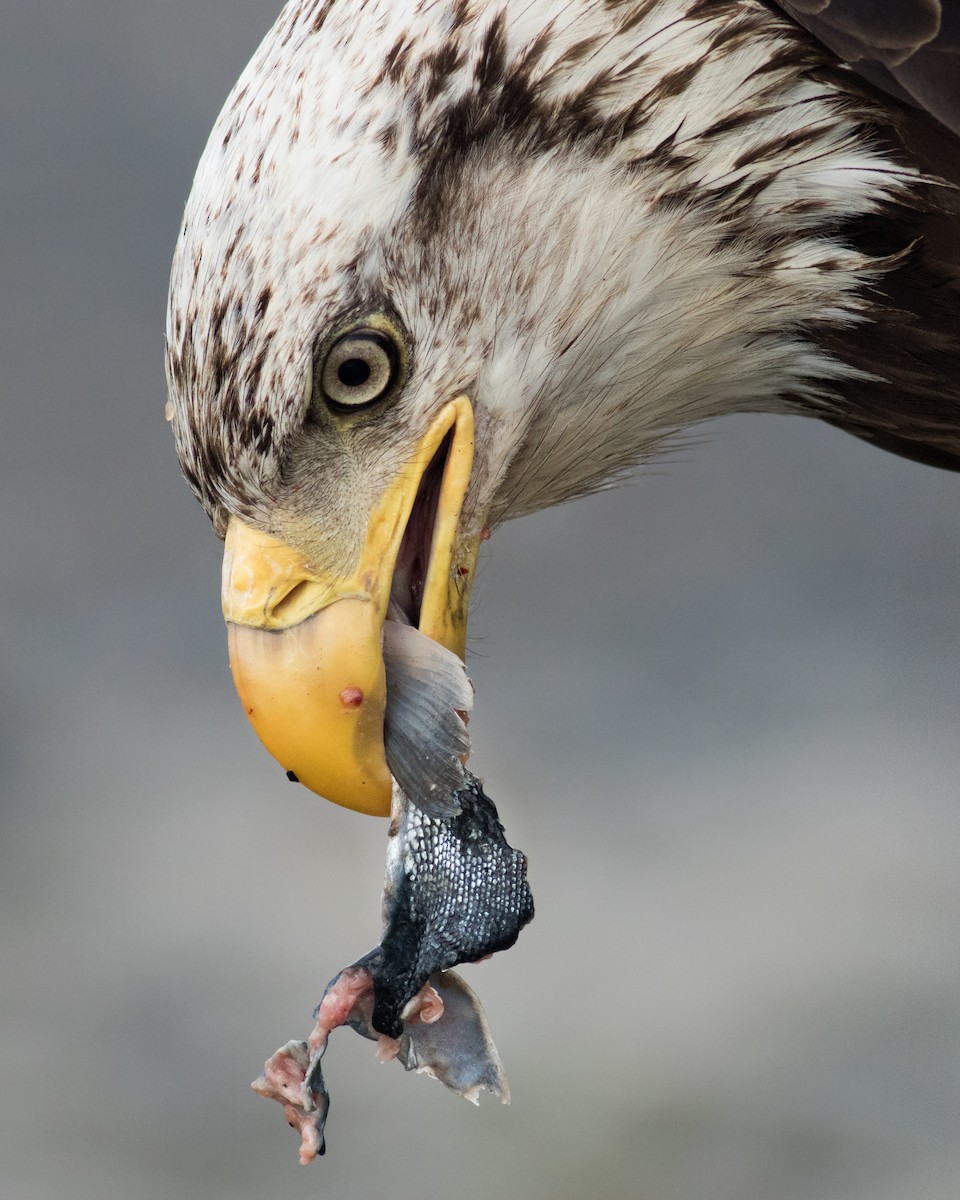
(413, 558)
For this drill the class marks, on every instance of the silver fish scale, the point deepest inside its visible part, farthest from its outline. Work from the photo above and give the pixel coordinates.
(456, 892)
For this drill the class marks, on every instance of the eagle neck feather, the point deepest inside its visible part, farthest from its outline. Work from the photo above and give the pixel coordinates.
(606, 220)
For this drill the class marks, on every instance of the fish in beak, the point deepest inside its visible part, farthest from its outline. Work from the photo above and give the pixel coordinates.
(455, 892)
(341, 702)
(355, 682)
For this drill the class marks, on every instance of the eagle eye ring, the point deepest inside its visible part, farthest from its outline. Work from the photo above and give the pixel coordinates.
(359, 368)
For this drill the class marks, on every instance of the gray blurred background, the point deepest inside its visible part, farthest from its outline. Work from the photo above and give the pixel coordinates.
(718, 709)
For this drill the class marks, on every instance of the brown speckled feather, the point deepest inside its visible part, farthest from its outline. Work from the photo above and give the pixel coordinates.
(604, 221)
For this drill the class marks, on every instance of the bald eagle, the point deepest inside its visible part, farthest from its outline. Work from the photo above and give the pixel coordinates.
(448, 263)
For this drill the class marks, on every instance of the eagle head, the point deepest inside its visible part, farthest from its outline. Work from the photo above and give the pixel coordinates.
(447, 263)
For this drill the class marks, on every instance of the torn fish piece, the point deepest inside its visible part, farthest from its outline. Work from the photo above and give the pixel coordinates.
(424, 727)
(455, 891)
(283, 1078)
(445, 1035)
(455, 1048)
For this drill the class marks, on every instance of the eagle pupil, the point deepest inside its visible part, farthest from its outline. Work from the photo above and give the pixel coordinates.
(354, 372)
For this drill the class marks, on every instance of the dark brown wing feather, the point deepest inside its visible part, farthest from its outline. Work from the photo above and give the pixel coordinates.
(910, 50)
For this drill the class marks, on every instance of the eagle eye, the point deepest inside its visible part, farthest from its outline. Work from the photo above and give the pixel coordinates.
(360, 367)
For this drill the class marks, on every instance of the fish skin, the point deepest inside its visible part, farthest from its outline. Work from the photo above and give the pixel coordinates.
(455, 892)
(457, 1050)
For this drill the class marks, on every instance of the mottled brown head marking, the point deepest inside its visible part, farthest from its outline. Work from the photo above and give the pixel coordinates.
(604, 218)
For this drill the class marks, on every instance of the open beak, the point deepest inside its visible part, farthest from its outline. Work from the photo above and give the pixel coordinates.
(306, 645)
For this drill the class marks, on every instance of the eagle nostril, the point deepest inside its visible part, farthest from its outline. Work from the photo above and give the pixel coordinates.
(288, 604)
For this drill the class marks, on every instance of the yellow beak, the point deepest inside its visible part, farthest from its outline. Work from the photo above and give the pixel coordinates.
(305, 645)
